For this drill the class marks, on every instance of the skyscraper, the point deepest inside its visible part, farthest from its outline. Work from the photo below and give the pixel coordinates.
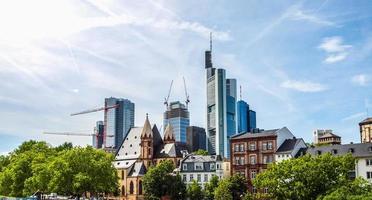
(221, 108)
(196, 138)
(177, 116)
(118, 121)
(246, 118)
(98, 135)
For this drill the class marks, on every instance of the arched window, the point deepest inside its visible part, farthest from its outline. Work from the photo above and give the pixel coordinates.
(131, 187)
(122, 190)
(140, 187)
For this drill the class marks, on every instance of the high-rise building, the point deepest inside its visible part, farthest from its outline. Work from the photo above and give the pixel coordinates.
(221, 108)
(246, 118)
(98, 135)
(366, 130)
(177, 116)
(118, 120)
(196, 138)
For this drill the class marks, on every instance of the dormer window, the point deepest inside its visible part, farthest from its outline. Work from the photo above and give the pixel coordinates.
(351, 150)
(370, 149)
(319, 152)
(184, 167)
(334, 151)
(212, 166)
(198, 166)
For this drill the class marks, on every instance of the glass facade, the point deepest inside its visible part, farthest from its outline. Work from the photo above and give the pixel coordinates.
(119, 120)
(177, 116)
(98, 135)
(246, 117)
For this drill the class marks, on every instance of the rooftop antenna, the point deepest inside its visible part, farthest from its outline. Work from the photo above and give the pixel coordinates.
(240, 92)
(210, 41)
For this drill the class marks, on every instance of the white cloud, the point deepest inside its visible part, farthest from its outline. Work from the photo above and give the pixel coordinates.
(303, 86)
(335, 49)
(360, 79)
(353, 116)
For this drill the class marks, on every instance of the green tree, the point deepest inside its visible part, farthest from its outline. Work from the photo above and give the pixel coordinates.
(64, 146)
(4, 161)
(194, 191)
(159, 181)
(238, 186)
(305, 177)
(359, 189)
(210, 187)
(223, 192)
(201, 152)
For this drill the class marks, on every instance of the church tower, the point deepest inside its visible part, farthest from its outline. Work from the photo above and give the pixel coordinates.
(147, 147)
(169, 135)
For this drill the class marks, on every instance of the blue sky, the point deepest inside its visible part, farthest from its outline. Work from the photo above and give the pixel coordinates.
(301, 64)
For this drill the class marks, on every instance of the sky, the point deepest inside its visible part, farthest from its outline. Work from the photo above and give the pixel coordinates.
(301, 64)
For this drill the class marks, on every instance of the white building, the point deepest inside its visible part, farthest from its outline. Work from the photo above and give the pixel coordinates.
(319, 133)
(362, 152)
(291, 148)
(201, 168)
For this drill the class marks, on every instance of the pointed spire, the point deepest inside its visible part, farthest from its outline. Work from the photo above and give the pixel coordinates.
(169, 134)
(146, 130)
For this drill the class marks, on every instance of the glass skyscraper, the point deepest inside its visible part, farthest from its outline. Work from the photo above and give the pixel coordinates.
(177, 116)
(246, 117)
(98, 135)
(221, 108)
(118, 120)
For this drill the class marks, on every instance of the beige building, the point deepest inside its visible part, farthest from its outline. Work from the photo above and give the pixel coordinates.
(366, 130)
(141, 148)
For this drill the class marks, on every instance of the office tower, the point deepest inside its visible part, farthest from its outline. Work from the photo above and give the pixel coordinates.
(221, 108)
(230, 112)
(98, 135)
(118, 120)
(246, 118)
(196, 138)
(177, 116)
(366, 130)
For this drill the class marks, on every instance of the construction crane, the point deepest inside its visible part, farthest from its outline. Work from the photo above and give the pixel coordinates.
(166, 99)
(105, 108)
(187, 101)
(95, 110)
(73, 134)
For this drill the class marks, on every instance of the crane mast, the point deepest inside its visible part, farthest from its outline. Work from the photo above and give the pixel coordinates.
(187, 101)
(166, 99)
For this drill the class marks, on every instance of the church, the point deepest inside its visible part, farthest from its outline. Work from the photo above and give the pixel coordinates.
(140, 149)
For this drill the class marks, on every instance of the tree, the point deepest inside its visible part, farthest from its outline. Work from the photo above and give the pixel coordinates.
(4, 161)
(201, 152)
(305, 177)
(159, 181)
(238, 186)
(64, 146)
(210, 187)
(194, 191)
(354, 190)
(223, 192)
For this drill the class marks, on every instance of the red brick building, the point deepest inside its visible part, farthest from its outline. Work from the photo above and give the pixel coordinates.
(252, 152)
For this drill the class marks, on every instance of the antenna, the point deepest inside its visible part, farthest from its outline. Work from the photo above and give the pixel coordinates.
(210, 41)
(240, 92)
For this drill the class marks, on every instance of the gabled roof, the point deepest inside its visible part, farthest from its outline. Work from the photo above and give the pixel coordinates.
(359, 150)
(327, 135)
(288, 145)
(138, 169)
(130, 147)
(171, 150)
(264, 133)
(200, 158)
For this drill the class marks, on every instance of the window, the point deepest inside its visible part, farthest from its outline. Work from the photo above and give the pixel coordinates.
(368, 162)
(252, 146)
(184, 178)
(370, 149)
(242, 161)
(241, 147)
(369, 175)
(131, 187)
(236, 160)
(266, 190)
(351, 150)
(334, 151)
(199, 177)
(198, 166)
(264, 159)
(264, 146)
(236, 148)
(122, 175)
(122, 190)
(319, 152)
(252, 159)
(212, 166)
(184, 166)
(140, 187)
(191, 177)
(270, 145)
(254, 190)
(217, 166)
(253, 174)
(205, 177)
